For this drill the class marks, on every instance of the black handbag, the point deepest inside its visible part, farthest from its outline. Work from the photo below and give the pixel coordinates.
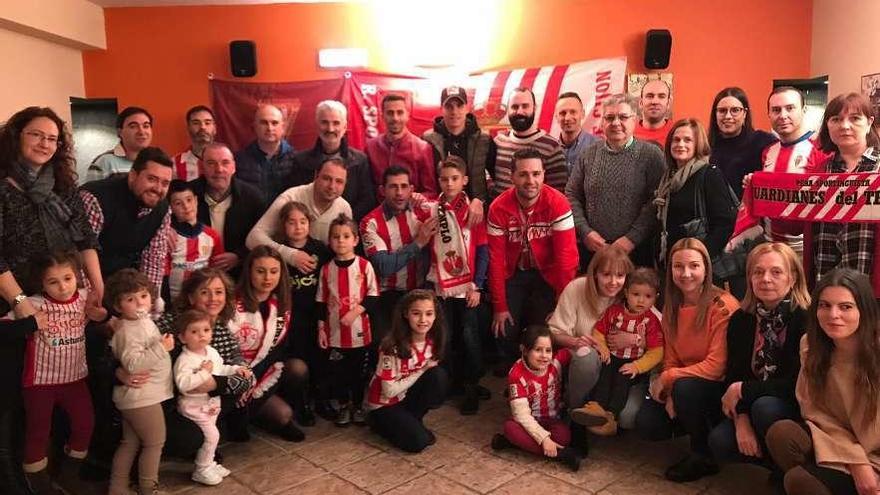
(724, 265)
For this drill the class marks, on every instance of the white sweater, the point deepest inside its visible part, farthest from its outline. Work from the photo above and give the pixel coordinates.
(188, 372)
(573, 316)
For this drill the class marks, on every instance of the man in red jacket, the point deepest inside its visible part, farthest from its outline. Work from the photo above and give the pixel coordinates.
(532, 248)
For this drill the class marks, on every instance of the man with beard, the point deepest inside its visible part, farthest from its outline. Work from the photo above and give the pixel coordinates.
(202, 128)
(134, 126)
(532, 249)
(654, 104)
(331, 117)
(226, 203)
(265, 162)
(612, 185)
(398, 146)
(456, 133)
(523, 134)
(570, 117)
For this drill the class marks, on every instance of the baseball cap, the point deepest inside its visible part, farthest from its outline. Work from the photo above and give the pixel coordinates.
(453, 92)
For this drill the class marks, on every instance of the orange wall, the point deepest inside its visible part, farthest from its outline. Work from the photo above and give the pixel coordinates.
(160, 57)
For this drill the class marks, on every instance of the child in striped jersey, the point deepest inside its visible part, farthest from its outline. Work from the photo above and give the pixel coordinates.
(55, 367)
(347, 289)
(636, 320)
(535, 387)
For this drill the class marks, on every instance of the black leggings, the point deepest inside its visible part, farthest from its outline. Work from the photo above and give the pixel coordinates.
(697, 408)
(401, 423)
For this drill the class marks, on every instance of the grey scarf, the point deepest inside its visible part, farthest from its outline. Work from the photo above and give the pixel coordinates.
(55, 215)
(673, 180)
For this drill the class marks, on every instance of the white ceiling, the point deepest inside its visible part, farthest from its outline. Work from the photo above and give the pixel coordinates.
(156, 3)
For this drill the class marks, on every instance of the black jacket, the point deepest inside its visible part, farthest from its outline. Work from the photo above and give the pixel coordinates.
(246, 209)
(720, 209)
(740, 347)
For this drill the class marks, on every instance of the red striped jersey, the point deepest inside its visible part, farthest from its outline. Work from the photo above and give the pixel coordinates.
(797, 157)
(390, 233)
(57, 355)
(188, 253)
(187, 166)
(543, 392)
(392, 368)
(646, 325)
(342, 288)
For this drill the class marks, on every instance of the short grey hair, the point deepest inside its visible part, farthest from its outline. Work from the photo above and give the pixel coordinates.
(621, 98)
(332, 105)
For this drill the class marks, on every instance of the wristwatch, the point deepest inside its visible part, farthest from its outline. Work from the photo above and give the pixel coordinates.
(18, 299)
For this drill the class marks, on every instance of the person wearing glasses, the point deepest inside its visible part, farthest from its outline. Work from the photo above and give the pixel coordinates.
(655, 103)
(40, 212)
(612, 185)
(736, 145)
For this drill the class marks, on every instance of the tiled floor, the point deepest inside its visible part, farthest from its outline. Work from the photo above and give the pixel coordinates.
(334, 461)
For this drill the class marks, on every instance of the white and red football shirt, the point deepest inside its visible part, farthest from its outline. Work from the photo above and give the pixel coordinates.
(392, 368)
(187, 166)
(187, 254)
(615, 320)
(342, 288)
(57, 355)
(544, 392)
(380, 232)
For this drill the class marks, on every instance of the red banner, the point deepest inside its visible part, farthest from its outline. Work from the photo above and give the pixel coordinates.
(839, 198)
(235, 102)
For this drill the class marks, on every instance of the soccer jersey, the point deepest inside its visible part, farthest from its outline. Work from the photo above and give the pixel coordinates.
(187, 166)
(392, 368)
(544, 392)
(343, 286)
(192, 247)
(646, 325)
(383, 232)
(57, 355)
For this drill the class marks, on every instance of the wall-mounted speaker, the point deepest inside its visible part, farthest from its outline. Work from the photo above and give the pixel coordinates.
(243, 58)
(658, 45)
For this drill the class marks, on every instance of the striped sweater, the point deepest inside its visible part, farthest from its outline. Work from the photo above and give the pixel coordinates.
(556, 170)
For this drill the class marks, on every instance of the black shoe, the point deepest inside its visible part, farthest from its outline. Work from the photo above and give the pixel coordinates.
(41, 484)
(691, 468)
(93, 470)
(500, 442)
(470, 405)
(343, 416)
(325, 410)
(305, 416)
(579, 441)
(483, 393)
(290, 433)
(432, 439)
(569, 458)
(218, 457)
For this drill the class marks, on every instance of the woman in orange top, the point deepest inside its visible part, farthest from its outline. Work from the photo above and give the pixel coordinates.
(688, 391)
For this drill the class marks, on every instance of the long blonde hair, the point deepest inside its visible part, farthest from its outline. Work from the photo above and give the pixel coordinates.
(611, 257)
(673, 295)
(800, 294)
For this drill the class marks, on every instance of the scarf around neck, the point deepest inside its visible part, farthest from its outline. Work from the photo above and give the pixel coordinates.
(769, 337)
(54, 214)
(671, 183)
(450, 250)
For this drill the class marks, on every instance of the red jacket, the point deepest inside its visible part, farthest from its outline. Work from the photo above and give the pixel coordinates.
(409, 151)
(551, 237)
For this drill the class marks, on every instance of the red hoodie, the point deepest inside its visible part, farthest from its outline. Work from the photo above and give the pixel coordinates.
(551, 238)
(409, 151)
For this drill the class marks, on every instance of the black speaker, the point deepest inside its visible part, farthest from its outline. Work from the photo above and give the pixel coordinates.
(658, 44)
(243, 58)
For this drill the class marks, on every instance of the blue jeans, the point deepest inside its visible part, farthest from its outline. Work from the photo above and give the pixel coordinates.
(763, 413)
(697, 408)
(464, 358)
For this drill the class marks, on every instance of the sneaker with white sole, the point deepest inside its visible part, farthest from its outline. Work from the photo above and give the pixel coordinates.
(222, 470)
(207, 476)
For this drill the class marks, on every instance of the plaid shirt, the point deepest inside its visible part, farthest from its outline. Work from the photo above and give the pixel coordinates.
(154, 256)
(845, 245)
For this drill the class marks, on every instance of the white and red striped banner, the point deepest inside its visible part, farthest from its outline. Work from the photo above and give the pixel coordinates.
(816, 197)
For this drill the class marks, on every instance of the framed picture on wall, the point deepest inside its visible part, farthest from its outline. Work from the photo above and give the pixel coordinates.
(871, 89)
(634, 82)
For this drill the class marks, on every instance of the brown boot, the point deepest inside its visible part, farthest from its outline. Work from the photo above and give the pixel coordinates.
(609, 429)
(591, 414)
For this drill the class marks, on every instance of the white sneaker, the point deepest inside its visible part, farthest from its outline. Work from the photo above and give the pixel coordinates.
(207, 476)
(222, 471)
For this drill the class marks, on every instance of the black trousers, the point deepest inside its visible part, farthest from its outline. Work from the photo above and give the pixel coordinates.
(401, 423)
(697, 408)
(347, 368)
(612, 388)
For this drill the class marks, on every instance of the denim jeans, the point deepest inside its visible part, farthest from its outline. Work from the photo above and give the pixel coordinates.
(763, 413)
(464, 359)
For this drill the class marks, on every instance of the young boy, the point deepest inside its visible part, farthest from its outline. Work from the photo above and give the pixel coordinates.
(192, 244)
(459, 262)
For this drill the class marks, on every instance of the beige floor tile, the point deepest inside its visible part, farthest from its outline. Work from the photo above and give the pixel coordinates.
(279, 474)
(238, 456)
(594, 474)
(474, 431)
(430, 484)
(380, 473)
(325, 485)
(533, 482)
(337, 451)
(228, 487)
(442, 416)
(642, 483)
(736, 479)
(482, 472)
(446, 451)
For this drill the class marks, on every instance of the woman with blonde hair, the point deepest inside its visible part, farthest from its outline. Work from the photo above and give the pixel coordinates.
(688, 391)
(762, 354)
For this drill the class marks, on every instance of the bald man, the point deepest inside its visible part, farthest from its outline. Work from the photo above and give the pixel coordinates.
(265, 162)
(654, 107)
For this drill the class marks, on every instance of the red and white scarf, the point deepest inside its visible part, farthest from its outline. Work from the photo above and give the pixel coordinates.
(450, 251)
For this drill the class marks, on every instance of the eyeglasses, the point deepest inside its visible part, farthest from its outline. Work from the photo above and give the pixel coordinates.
(623, 118)
(733, 111)
(40, 137)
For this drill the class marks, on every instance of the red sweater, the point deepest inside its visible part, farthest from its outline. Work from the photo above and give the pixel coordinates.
(409, 151)
(551, 238)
